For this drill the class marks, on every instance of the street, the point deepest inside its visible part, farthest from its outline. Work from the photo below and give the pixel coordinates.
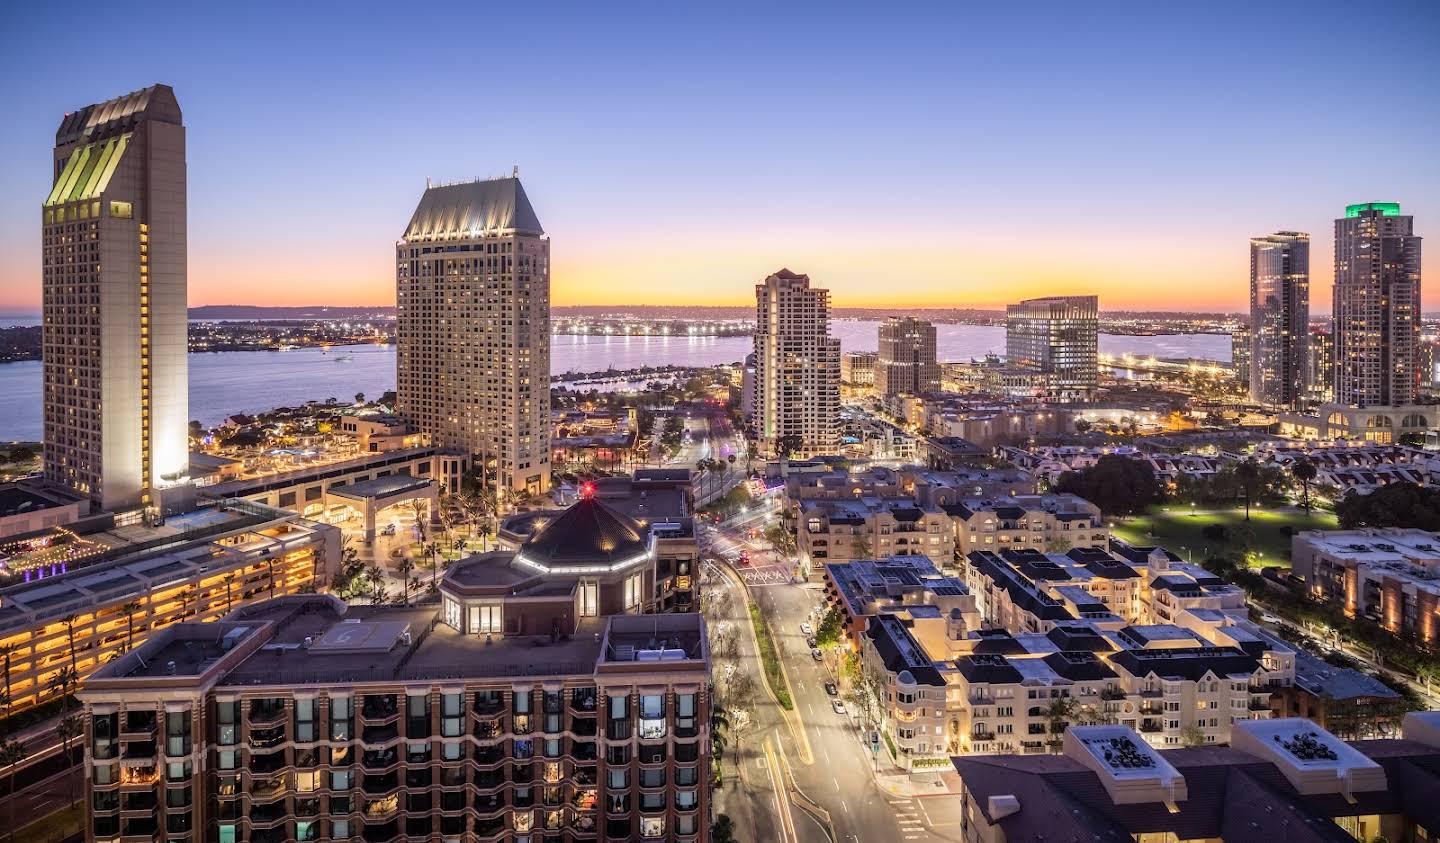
(829, 764)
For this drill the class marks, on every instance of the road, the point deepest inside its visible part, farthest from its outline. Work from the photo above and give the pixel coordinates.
(842, 779)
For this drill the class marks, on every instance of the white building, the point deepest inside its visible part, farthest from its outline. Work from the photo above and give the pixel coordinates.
(797, 366)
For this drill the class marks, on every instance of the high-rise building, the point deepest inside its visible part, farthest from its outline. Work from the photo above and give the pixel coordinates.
(857, 368)
(473, 327)
(113, 281)
(1279, 317)
(1054, 340)
(797, 367)
(906, 364)
(1376, 306)
(1240, 354)
(1321, 378)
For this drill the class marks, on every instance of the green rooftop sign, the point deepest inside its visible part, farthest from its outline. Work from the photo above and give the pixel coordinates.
(1386, 209)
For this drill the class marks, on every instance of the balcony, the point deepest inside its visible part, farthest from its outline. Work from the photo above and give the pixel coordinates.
(585, 727)
(266, 711)
(138, 749)
(488, 704)
(267, 814)
(267, 737)
(378, 707)
(380, 734)
(381, 784)
(1150, 726)
(1258, 704)
(1112, 694)
(379, 759)
(137, 724)
(982, 737)
(267, 763)
(268, 788)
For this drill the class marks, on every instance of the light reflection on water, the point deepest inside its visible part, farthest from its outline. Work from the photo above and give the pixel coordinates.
(222, 383)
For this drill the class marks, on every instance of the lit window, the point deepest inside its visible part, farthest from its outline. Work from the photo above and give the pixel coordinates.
(121, 210)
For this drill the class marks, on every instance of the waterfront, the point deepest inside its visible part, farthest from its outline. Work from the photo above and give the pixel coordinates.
(222, 383)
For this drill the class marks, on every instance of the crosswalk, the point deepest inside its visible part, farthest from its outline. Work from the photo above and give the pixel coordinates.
(911, 826)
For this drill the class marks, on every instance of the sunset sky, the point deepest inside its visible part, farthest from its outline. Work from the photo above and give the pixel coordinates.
(901, 154)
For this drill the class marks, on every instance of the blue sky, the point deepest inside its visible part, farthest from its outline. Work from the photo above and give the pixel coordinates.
(907, 154)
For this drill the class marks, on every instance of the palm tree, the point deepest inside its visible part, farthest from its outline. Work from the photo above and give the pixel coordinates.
(432, 550)
(6, 652)
(270, 570)
(1058, 715)
(719, 730)
(1248, 473)
(68, 729)
(130, 609)
(69, 621)
(405, 566)
(377, 581)
(229, 586)
(187, 597)
(1304, 471)
(11, 754)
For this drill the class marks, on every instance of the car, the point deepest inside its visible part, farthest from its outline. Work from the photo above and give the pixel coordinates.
(838, 705)
(811, 642)
(1266, 617)
(831, 689)
(816, 654)
(806, 630)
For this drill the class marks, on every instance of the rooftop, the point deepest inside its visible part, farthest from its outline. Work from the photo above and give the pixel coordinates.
(472, 209)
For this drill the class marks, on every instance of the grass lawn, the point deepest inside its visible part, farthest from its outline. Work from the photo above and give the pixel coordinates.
(1178, 530)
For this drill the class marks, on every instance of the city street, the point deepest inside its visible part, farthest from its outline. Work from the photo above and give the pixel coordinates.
(859, 799)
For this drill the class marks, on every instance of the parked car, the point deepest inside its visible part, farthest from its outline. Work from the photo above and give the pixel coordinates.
(811, 642)
(816, 654)
(831, 689)
(805, 629)
(838, 705)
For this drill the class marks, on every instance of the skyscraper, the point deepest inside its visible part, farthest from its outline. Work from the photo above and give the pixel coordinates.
(1321, 380)
(113, 288)
(797, 367)
(906, 364)
(1279, 317)
(473, 327)
(1055, 340)
(1377, 306)
(1240, 354)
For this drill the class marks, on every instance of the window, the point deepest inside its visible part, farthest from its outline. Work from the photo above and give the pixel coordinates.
(485, 618)
(633, 590)
(589, 599)
(452, 614)
(125, 211)
(307, 781)
(227, 833)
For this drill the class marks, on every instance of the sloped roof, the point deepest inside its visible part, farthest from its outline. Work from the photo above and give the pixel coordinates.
(472, 209)
(589, 532)
(118, 115)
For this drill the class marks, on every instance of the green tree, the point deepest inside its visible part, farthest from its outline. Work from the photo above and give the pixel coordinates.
(11, 754)
(1058, 715)
(860, 546)
(1191, 736)
(1304, 471)
(1083, 426)
(789, 445)
(404, 567)
(69, 729)
(828, 634)
(130, 609)
(1118, 485)
(723, 830)
(1392, 505)
(1248, 475)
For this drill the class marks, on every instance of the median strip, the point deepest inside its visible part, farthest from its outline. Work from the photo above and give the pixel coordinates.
(770, 659)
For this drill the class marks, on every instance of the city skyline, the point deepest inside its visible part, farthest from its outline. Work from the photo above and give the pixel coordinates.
(669, 188)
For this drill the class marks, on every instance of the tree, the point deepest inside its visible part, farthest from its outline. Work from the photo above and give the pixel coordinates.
(405, 566)
(377, 582)
(1248, 475)
(723, 830)
(68, 729)
(1118, 485)
(229, 592)
(828, 634)
(432, 552)
(1304, 471)
(1392, 505)
(130, 608)
(69, 621)
(6, 652)
(860, 546)
(719, 728)
(1058, 714)
(11, 754)
(789, 445)
(359, 398)
(1191, 736)
(1082, 426)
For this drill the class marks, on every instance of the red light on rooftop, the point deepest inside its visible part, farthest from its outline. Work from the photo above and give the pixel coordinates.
(587, 490)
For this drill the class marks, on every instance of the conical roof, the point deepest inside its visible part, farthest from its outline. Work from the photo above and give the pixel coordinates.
(587, 533)
(472, 209)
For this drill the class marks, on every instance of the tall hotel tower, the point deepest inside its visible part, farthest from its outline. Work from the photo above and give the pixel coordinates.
(113, 277)
(906, 364)
(473, 327)
(797, 366)
(1279, 318)
(1376, 307)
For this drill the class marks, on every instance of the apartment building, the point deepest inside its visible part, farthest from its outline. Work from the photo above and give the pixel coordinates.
(1283, 779)
(1042, 522)
(857, 369)
(304, 719)
(937, 604)
(797, 367)
(1051, 345)
(1390, 576)
(906, 363)
(914, 482)
(199, 566)
(872, 528)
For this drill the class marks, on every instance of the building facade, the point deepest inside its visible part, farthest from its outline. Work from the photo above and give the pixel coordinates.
(84, 618)
(1320, 379)
(113, 279)
(906, 363)
(473, 328)
(305, 719)
(1240, 355)
(797, 367)
(1057, 339)
(1390, 576)
(857, 368)
(1279, 318)
(1376, 306)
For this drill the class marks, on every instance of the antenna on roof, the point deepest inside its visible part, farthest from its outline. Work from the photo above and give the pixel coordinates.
(427, 182)
(515, 171)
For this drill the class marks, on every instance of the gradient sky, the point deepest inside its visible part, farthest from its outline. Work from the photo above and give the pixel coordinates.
(902, 154)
